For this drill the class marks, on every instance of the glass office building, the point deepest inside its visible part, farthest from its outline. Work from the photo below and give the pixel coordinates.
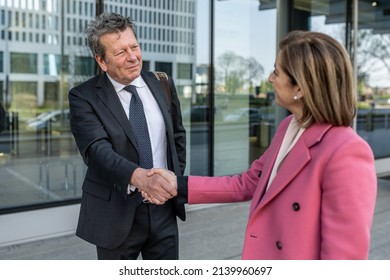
(219, 53)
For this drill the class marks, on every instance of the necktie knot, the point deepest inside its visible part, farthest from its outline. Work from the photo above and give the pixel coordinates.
(132, 89)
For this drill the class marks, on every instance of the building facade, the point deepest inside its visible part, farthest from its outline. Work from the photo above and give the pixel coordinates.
(219, 53)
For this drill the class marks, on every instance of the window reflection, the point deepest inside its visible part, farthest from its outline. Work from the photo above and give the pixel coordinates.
(372, 61)
(25, 63)
(373, 86)
(244, 56)
(40, 60)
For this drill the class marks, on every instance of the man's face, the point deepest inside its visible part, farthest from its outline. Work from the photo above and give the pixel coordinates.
(123, 61)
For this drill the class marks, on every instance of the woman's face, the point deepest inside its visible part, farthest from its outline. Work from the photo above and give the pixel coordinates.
(287, 95)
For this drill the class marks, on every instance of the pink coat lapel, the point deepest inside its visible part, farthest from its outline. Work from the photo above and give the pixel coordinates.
(293, 164)
(269, 159)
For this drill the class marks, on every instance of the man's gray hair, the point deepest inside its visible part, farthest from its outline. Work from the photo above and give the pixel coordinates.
(106, 23)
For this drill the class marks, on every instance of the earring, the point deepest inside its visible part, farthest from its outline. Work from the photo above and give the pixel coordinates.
(295, 98)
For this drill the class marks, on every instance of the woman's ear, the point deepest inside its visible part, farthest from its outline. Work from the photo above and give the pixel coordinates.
(299, 92)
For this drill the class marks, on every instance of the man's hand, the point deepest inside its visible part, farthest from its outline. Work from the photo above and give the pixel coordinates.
(166, 174)
(153, 187)
(170, 178)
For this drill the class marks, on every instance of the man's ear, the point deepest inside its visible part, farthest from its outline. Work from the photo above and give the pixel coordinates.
(101, 62)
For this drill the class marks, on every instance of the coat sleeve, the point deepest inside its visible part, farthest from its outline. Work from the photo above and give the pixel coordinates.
(236, 188)
(349, 189)
(95, 144)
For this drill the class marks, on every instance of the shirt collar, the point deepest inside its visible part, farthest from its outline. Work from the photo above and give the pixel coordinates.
(138, 82)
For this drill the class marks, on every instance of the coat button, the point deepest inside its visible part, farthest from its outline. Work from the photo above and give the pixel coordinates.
(296, 206)
(279, 245)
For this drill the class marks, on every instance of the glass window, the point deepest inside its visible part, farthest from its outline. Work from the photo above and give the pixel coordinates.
(2, 93)
(184, 70)
(51, 63)
(84, 65)
(1, 62)
(51, 98)
(24, 63)
(30, 20)
(164, 67)
(373, 75)
(372, 59)
(245, 53)
(39, 159)
(2, 18)
(17, 19)
(229, 120)
(145, 65)
(23, 97)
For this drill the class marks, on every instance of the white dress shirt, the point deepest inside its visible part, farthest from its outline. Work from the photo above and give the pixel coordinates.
(154, 118)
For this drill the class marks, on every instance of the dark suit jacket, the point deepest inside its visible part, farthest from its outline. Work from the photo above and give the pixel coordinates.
(103, 136)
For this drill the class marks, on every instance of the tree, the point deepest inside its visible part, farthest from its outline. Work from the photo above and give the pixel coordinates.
(232, 71)
(255, 72)
(373, 53)
(236, 72)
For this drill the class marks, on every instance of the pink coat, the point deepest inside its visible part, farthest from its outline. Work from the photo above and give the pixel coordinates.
(320, 204)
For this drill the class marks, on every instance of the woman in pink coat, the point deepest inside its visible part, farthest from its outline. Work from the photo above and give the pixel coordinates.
(313, 191)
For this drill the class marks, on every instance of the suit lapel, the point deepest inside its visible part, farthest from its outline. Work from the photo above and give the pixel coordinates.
(108, 96)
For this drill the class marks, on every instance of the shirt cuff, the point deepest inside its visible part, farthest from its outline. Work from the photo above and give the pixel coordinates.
(130, 189)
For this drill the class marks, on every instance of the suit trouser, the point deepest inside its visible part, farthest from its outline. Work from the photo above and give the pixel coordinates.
(154, 234)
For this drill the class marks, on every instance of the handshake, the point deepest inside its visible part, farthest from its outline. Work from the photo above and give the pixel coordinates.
(155, 185)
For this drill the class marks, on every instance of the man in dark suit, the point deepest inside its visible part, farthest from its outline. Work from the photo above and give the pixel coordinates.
(107, 131)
